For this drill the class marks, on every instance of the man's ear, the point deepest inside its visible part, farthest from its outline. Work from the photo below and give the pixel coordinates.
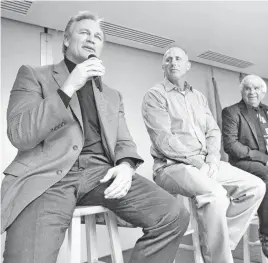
(189, 65)
(65, 41)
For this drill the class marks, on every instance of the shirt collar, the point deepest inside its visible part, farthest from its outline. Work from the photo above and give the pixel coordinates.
(254, 108)
(70, 65)
(169, 86)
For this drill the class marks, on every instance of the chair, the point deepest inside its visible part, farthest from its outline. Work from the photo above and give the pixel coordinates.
(247, 243)
(71, 250)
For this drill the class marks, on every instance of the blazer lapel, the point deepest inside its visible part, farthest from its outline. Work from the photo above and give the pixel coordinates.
(101, 105)
(244, 112)
(60, 74)
(265, 109)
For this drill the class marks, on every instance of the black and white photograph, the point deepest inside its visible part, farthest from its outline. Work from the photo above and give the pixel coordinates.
(134, 131)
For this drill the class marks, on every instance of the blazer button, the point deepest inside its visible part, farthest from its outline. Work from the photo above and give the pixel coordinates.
(59, 172)
(75, 147)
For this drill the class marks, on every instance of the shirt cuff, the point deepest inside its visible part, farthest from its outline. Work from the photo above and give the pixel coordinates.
(213, 159)
(131, 162)
(64, 97)
(197, 161)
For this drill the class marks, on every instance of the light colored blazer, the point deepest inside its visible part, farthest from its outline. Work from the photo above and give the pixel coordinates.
(49, 137)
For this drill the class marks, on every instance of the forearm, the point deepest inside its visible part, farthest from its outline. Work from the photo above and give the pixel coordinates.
(172, 148)
(241, 152)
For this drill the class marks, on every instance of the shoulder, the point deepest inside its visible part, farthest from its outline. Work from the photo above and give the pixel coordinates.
(201, 98)
(34, 71)
(37, 69)
(157, 92)
(232, 109)
(199, 94)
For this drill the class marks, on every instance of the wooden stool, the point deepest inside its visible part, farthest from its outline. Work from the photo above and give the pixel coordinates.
(71, 249)
(247, 243)
(192, 230)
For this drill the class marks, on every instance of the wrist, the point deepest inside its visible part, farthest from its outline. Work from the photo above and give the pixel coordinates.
(128, 165)
(68, 90)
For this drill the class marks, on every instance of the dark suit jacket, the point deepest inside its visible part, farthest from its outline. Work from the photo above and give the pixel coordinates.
(49, 137)
(239, 134)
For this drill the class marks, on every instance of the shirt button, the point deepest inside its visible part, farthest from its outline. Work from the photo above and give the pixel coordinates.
(75, 147)
(59, 172)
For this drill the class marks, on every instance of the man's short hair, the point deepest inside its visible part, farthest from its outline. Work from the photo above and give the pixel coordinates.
(175, 46)
(249, 79)
(76, 18)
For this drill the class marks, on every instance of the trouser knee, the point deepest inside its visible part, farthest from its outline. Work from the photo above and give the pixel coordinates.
(179, 216)
(217, 200)
(259, 188)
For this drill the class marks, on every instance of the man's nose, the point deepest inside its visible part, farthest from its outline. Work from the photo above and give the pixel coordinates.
(173, 62)
(251, 91)
(90, 38)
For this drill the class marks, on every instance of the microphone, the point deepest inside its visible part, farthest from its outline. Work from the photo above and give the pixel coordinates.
(97, 79)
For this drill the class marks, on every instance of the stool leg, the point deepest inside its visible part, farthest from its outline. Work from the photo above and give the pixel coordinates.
(91, 236)
(198, 257)
(74, 241)
(110, 219)
(246, 247)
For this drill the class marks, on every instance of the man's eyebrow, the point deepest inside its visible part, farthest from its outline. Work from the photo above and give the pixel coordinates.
(172, 56)
(84, 29)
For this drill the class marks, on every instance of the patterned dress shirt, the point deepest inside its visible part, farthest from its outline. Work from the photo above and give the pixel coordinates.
(181, 126)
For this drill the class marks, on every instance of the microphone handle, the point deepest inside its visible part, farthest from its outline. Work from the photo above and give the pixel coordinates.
(98, 83)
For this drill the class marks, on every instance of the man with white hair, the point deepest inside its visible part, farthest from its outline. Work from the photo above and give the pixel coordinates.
(245, 138)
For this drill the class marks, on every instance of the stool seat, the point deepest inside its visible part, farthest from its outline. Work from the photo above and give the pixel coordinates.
(71, 249)
(89, 210)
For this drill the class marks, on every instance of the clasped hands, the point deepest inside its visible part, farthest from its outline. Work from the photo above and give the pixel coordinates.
(122, 175)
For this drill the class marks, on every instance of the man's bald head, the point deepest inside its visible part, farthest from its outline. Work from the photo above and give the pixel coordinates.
(175, 63)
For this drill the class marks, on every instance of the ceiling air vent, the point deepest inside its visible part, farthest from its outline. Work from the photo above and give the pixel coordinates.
(135, 35)
(210, 55)
(19, 7)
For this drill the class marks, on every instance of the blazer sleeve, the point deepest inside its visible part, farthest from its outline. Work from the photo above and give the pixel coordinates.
(31, 117)
(232, 146)
(125, 146)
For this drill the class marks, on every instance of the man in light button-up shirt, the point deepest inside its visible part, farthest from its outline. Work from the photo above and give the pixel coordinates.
(186, 150)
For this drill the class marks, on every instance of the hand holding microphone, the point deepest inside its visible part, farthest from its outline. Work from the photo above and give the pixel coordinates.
(97, 79)
(90, 68)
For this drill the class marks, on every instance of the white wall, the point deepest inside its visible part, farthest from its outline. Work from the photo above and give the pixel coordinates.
(129, 70)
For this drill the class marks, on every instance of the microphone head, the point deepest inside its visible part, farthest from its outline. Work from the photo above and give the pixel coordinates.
(91, 56)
